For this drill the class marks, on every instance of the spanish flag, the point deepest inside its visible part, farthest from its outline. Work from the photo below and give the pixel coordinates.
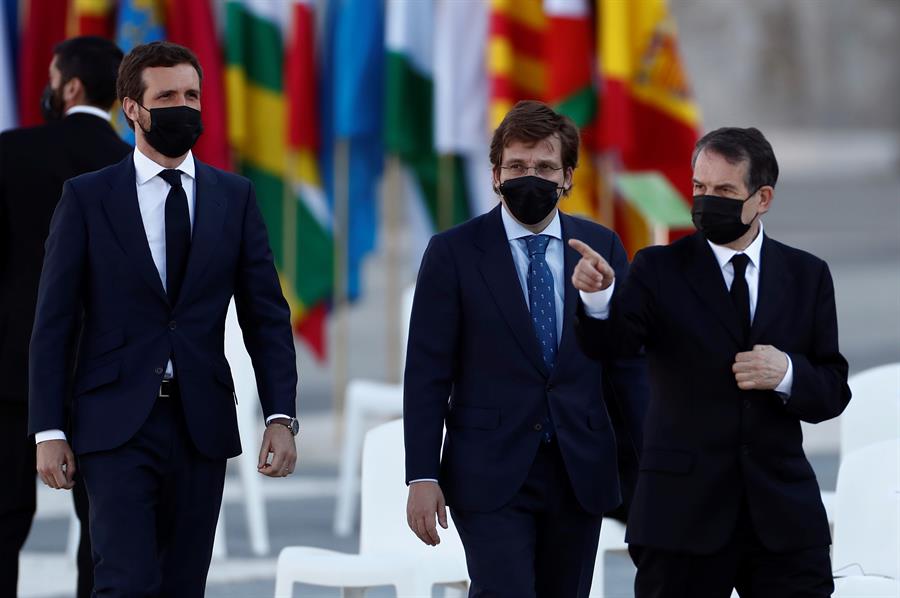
(648, 115)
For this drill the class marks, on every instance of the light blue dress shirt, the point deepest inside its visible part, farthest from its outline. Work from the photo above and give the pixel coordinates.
(516, 234)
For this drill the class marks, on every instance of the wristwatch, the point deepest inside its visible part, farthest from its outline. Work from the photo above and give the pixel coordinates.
(291, 424)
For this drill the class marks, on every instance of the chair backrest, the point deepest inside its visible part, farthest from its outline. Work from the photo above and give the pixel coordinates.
(874, 411)
(239, 360)
(383, 527)
(867, 513)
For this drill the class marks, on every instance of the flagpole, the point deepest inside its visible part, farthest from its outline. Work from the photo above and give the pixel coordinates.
(391, 206)
(445, 192)
(606, 187)
(341, 241)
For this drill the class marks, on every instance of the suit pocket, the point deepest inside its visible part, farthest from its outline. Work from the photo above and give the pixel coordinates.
(222, 372)
(106, 342)
(795, 468)
(474, 417)
(598, 420)
(97, 377)
(678, 462)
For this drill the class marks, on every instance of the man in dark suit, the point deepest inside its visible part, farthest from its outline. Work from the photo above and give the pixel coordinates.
(34, 164)
(151, 250)
(529, 457)
(740, 332)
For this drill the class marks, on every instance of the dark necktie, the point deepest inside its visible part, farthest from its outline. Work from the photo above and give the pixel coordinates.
(178, 233)
(740, 293)
(542, 302)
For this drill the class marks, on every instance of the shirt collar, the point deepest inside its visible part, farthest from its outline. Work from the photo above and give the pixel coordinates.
(85, 109)
(753, 251)
(145, 168)
(515, 230)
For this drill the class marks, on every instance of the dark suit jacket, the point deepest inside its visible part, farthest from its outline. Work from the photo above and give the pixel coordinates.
(707, 444)
(98, 260)
(34, 164)
(471, 340)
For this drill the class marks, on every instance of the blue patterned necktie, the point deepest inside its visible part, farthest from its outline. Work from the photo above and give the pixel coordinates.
(542, 300)
(541, 297)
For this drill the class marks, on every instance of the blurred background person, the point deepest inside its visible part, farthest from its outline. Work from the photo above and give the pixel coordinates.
(34, 164)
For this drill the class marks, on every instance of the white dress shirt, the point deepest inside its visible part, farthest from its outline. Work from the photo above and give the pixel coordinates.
(85, 109)
(152, 191)
(597, 306)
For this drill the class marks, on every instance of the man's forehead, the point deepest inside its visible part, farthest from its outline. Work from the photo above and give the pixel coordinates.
(548, 145)
(712, 165)
(178, 76)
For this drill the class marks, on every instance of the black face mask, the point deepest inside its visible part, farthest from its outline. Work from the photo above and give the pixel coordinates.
(173, 131)
(530, 198)
(719, 218)
(51, 104)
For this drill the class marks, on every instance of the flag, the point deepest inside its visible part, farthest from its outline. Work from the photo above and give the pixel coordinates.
(648, 115)
(409, 120)
(461, 94)
(356, 66)
(275, 146)
(44, 26)
(191, 24)
(543, 51)
(91, 17)
(138, 22)
(7, 77)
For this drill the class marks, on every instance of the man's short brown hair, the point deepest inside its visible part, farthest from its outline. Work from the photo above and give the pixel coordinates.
(531, 121)
(130, 83)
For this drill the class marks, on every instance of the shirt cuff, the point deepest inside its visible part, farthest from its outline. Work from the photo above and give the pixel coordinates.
(276, 416)
(596, 304)
(784, 387)
(423, 480)
(49, 435)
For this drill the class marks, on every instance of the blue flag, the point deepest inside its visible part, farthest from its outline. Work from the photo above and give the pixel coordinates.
(138, 22)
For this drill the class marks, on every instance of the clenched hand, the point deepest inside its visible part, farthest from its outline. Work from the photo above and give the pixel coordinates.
(763, 368)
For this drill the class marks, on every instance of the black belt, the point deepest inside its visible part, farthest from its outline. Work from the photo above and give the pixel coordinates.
(168, 388)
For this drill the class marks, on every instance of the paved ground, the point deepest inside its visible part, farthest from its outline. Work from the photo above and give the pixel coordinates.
(851, 221)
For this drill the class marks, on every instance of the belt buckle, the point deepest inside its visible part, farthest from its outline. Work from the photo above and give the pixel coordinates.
(163, 389)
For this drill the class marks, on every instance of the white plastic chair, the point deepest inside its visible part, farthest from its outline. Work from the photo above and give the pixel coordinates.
(866, 586)
(612, 539)
(249, 424)
(867, 515)
(365, 401)
(389, 553)
(872, 415)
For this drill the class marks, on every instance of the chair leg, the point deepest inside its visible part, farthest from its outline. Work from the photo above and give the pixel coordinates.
(455, 590)
(251, 481)
(220, 550)
(353, 592)
(413, 588)
(348, 481)
(597, 581)
(284, 586)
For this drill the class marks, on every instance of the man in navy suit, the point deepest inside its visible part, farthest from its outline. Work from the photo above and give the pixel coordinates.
(146, 255)
(740, 332)
(529, 458)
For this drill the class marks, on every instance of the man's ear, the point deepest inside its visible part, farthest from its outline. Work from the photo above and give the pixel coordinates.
(495, 179)
(766, 196)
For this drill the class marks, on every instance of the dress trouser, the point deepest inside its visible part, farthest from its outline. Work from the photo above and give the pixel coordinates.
(540, 544)
(744, 564)
(154, 505)
(19, 498)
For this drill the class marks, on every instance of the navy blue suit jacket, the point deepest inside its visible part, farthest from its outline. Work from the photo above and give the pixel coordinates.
(471, 341)
(708, 445)
(98, 267)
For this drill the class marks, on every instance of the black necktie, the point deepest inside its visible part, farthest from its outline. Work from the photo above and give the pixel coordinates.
(740, 293)
(178, 233)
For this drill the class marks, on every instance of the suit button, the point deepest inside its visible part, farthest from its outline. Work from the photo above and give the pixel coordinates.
(538, 427)
(746, 403)
(745, 449)
(158, 371)
(172, 325)
(549, 387)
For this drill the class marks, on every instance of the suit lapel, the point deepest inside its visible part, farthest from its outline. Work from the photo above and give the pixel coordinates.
(499, 273)
(209, 214)
(121, 206)
(774, 287)
(705, 278)
(570, 296)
